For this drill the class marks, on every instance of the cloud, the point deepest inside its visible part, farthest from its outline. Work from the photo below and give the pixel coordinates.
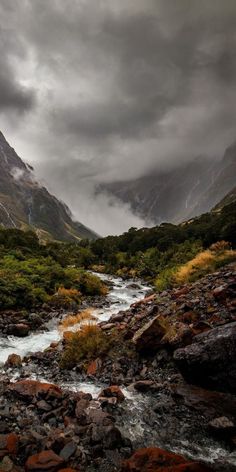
(123, 88)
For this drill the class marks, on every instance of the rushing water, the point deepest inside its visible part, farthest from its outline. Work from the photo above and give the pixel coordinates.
(121, 295)
(135, 422)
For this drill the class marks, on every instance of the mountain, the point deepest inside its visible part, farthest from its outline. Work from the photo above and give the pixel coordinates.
(188, 190)
(25, 204)
(229, 198)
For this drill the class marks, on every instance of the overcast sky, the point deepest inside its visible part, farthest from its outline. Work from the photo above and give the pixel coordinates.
(103, 90)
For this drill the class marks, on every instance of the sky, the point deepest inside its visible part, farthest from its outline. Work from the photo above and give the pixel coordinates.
(95, 91)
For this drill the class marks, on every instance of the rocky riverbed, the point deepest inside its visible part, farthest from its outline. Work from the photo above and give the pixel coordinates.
(159, 397)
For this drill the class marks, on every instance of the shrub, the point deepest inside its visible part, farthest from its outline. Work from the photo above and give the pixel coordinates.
(81, 317)
(66, 297)
(220, 246)
(86, 344)
(204, 263)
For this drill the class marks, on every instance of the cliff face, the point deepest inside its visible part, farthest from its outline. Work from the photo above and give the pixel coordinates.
(186, 191)
(24, 203)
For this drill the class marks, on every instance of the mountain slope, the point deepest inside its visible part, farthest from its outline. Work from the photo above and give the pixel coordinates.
(186, 191)
(26, 204)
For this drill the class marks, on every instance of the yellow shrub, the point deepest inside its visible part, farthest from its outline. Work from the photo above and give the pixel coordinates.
(65, 297)
(72, 320)
(86, 344)
(202, 264)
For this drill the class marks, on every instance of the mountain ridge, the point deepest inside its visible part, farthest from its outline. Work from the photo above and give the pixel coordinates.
(183, 192)
(25, 204)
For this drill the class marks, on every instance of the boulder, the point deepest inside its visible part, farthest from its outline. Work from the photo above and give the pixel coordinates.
(210, 361)
(144, 385)
(46, 461)
(148, 338)
(29, 389)
(222, 426)
(8, 444)
(112, 391)
(13, 360)
(20, 330)
(208, 403)
(153, 459)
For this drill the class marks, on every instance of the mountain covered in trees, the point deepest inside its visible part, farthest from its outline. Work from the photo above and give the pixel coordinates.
(25, 204)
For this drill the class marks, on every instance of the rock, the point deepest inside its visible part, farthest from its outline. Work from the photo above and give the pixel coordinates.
(108, 326)
(153, 459)
(222, 425)
(144, 385)
(112, 438)
(112, 391)
(210, 361)
(46, 461)
(147, 339)
(20, 330)
(13, 360)
(68, 451)
(145, 300)
(32, 388)
(220, 293)
(208, 403)
(94, 366)
(178, 335)
(8, 444)
(80, 411)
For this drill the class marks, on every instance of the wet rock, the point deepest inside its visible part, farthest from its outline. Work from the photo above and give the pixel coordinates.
(153, 459)
(144, 385)
(20, 330)
(46, 461)
(208, 403)
(210, 361)
(13, 360)
(112, 391)
(222, 425)
(32, 388)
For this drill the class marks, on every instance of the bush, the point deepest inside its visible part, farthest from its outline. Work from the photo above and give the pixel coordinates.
(86, 344)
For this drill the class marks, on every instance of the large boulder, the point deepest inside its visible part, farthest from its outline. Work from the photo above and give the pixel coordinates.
(46, 461)
(210, 361)
(153, 459)
(29, 389)
(147, 339)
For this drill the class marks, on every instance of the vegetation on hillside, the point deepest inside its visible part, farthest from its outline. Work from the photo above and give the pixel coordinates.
(32, 274)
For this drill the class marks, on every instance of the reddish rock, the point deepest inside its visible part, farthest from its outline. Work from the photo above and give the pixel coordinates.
(144, 301)
(46, 461)
(112, 391)
(13, 360)
(153, 459)
(94, 366)
(32, 388)
(179, 292)
(8, 444)
(220, 293)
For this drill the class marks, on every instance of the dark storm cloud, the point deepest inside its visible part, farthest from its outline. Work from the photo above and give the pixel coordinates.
(14, 95)
(122, 87)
